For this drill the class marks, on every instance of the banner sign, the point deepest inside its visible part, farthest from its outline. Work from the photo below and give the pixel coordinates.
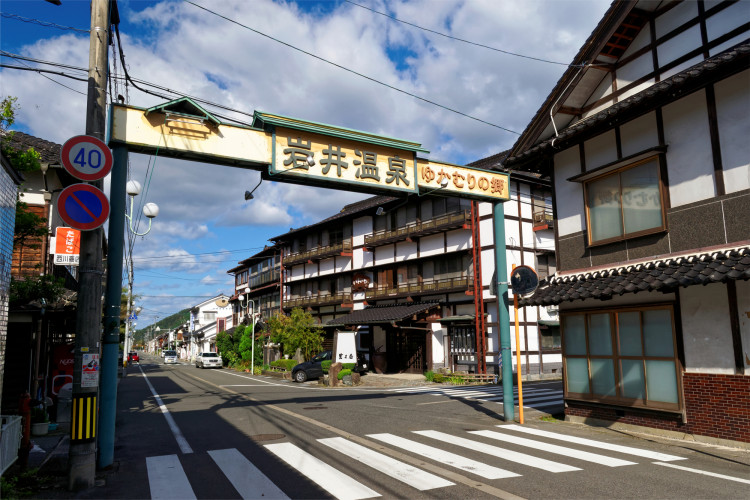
(67, 246)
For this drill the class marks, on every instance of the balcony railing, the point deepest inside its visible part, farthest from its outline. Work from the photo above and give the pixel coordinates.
(318, 299)
(543, 220)
(269, 276)
(319, 253)
(420, 228)
(424, 288)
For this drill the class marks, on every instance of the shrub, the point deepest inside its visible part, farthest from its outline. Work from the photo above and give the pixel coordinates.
(456, 380)
(343, 373)
(429, 376)
(438, 378)
(348, 366)
(326, 365)
(287, 364)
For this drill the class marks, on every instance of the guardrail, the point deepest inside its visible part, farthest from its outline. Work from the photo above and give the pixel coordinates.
(425, 287)
(10, 440)
(320, 252)
(419, 228)
(318, 300)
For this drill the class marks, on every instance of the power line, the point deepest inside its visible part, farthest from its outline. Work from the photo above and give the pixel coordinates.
(459, 39)
(351, 70)
(46, 24)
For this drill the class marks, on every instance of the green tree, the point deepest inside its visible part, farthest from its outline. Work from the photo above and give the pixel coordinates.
(296, 331)
(246, 343)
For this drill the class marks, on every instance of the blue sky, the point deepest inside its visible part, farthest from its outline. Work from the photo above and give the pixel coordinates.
(205, 227)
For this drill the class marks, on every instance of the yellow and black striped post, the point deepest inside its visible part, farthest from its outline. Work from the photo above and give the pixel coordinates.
(83, 423)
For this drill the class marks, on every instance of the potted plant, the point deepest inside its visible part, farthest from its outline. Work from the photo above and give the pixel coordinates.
(39, 421)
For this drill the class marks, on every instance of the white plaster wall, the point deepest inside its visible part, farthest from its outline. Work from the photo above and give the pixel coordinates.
(488, 266)
(384, 254)
(674, 18)
(603, 89)
(298, 272)
(368, 258)
(310, 270)
(361, 227)
(743, 306)
(706, 330)
(642, 39)
(639, 134)
(569, 195)
(689, 157)
(343, 264)
(728, 19)
(431, 245)
(528, 236)
(486, 232)
(327, 266)
(438, 351)
(485, 208)
(600, 150)
(682, 66)
(544, 239)
(638, 88)
(512, 234)
(635, 69)
(733, 115)
(530, 314)
(406, 250)
(459, 239)
(525, 195)
(358, 256)
(510, 208)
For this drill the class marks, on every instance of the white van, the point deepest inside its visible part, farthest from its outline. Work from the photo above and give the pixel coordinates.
(170, 356)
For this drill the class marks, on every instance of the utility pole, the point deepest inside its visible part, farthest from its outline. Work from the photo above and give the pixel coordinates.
(82, 454)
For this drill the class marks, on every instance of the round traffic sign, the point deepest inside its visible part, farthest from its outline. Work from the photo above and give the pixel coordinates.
(86, 158)
(83, 206)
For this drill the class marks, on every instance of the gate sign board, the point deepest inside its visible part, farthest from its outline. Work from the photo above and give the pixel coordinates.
(67, 246)
(83, 206)
(86, 158)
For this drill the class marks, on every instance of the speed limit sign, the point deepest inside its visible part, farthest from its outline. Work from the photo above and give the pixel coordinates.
(86, 158)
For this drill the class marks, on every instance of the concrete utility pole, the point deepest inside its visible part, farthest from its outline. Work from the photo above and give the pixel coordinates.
(82, 455)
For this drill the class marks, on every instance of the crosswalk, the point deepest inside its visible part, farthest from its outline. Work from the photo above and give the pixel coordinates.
(537, 398)
(478, 456)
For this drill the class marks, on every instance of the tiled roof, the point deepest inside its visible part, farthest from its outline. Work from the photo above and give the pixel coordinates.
(719, 66)
(382, 314)
(661, 275)
(49, 151)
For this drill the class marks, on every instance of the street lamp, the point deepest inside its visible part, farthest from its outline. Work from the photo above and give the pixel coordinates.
(247, 300)
(150, 210)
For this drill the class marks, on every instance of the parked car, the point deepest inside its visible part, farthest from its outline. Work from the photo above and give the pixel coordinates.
(170, 356)
(314, 369)
(208, 360)
(133, 356)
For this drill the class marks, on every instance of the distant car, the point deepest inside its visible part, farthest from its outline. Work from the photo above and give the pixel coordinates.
(208, 360)
(170, 356)
(133, 356)
(314, 369)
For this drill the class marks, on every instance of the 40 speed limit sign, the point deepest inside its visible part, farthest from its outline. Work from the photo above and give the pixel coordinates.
(86, 158)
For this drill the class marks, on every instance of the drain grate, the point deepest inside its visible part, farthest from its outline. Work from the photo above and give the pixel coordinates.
(267, 437)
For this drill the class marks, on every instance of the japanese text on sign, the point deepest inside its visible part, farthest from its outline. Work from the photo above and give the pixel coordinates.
(462, 181)
(342, 160)
(67, 246)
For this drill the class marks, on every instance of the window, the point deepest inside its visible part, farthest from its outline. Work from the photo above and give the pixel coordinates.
(209, 316)
(550, 337)
(626, 357)
(626, 203)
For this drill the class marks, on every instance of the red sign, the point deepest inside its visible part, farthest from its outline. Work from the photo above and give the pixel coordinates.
(360, 282)
(83, 206)
(67, 246)
(86, 158)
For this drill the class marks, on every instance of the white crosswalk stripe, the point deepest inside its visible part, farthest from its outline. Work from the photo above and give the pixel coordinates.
(414, 477)
(498, 452)
(327, 477)
(533, 398)
(445, 457)
(167, 479)
(663, 457)
(244, 476)
(553, 448)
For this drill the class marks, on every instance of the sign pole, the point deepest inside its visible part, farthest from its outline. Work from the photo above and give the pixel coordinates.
(82, 452)
(503, 316)
(518, 358)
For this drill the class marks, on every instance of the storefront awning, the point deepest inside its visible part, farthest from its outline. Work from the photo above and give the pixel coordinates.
(459, 318)
(382, 314)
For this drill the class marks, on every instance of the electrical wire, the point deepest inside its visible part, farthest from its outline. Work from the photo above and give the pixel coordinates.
(374, 80)
(46, 24)
(460, 39)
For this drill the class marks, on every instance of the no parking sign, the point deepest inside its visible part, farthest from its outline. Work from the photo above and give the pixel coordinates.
(83, 206)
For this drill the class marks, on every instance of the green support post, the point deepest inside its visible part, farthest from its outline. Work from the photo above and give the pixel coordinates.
(503, 316)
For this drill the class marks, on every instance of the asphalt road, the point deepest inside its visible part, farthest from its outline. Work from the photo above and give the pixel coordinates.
(183, 432)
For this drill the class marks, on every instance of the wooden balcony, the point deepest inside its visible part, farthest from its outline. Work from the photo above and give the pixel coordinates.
(319, 299)
(319, 253)
(420, 228)
(427, 287)
(264, 278)
(543, 220)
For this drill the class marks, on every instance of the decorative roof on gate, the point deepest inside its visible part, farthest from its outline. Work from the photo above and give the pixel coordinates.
(382, 314)
(663, 275)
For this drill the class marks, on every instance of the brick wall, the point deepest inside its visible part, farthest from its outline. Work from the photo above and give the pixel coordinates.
(716, 405)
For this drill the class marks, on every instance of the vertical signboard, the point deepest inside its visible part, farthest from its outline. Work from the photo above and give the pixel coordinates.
(67, 246)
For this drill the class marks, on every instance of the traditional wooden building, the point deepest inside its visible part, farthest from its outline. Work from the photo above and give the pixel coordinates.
(646, 139)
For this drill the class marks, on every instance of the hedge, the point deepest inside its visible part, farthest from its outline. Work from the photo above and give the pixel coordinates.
(287, 364)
